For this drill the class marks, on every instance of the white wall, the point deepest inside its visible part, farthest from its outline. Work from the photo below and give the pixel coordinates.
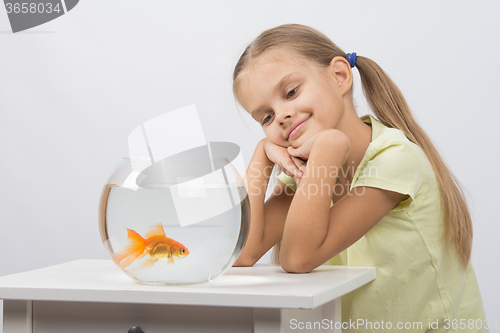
(71, 91)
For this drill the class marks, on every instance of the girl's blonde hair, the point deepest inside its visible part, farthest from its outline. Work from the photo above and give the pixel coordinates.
(389, 106)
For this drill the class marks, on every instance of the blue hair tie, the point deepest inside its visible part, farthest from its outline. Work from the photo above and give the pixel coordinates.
(351, 58)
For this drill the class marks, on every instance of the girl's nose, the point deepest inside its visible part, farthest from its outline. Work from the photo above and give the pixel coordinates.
(285, 115)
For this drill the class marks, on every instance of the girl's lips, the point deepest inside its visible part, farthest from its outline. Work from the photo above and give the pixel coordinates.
(297, 129)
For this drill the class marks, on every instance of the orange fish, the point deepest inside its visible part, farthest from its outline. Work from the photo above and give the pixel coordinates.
(155, 244)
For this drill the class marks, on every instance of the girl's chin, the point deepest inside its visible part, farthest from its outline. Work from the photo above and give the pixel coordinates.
(300, 141)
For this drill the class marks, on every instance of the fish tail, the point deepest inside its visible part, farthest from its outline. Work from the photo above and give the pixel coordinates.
(131, 252)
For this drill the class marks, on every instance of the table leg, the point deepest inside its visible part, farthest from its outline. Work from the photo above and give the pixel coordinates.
(266, 320)
(319, 320)
(332, 311)
(17, 316)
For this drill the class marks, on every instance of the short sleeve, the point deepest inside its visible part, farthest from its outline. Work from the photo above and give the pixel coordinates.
(288, 181)
(395, 167)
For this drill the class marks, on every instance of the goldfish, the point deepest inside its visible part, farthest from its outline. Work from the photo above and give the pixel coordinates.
(154, 244)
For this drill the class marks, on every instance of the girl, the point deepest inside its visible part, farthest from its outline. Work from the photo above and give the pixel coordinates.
(354, 191)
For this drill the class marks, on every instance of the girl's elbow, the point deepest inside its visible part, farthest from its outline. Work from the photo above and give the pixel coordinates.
(244, 261)
(295, 270)
(242, 264)
(294, 265)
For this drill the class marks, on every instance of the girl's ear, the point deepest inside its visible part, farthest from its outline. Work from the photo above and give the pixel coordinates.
(341, 70)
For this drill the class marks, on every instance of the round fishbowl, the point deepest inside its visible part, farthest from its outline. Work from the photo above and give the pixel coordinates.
(179, 220)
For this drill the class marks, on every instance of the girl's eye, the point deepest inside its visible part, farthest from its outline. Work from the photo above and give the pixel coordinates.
(291, 92)
(266, 119)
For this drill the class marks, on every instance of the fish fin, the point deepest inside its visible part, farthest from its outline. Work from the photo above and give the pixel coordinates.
(170, 260)
(148, 263)
(131, 252)
(157, 230)
(130, 261)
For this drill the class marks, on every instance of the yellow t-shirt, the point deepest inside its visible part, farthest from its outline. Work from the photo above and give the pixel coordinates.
(418, 280)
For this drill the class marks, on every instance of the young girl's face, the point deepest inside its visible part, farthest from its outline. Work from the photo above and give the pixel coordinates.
(291, 100)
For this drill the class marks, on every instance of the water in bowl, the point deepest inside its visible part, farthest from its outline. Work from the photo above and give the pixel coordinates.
(213, 244)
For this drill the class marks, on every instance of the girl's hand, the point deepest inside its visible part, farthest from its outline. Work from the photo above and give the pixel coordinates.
(278, 155)
(304, 150)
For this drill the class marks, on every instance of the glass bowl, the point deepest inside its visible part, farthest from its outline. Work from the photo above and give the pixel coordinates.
(183, 219)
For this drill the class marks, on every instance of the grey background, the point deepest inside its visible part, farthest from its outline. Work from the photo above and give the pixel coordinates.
(72, 90)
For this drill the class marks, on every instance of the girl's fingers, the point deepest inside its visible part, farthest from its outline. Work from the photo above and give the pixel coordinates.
(292, 151)
(301, 164)
(291, 169)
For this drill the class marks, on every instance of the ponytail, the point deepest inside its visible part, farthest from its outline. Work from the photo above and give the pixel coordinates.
(390, 107)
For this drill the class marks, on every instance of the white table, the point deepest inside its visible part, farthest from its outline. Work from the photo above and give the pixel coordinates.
(95, 296)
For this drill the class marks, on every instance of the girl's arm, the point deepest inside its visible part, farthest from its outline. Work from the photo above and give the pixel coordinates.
(313, 231)
(267, 219)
